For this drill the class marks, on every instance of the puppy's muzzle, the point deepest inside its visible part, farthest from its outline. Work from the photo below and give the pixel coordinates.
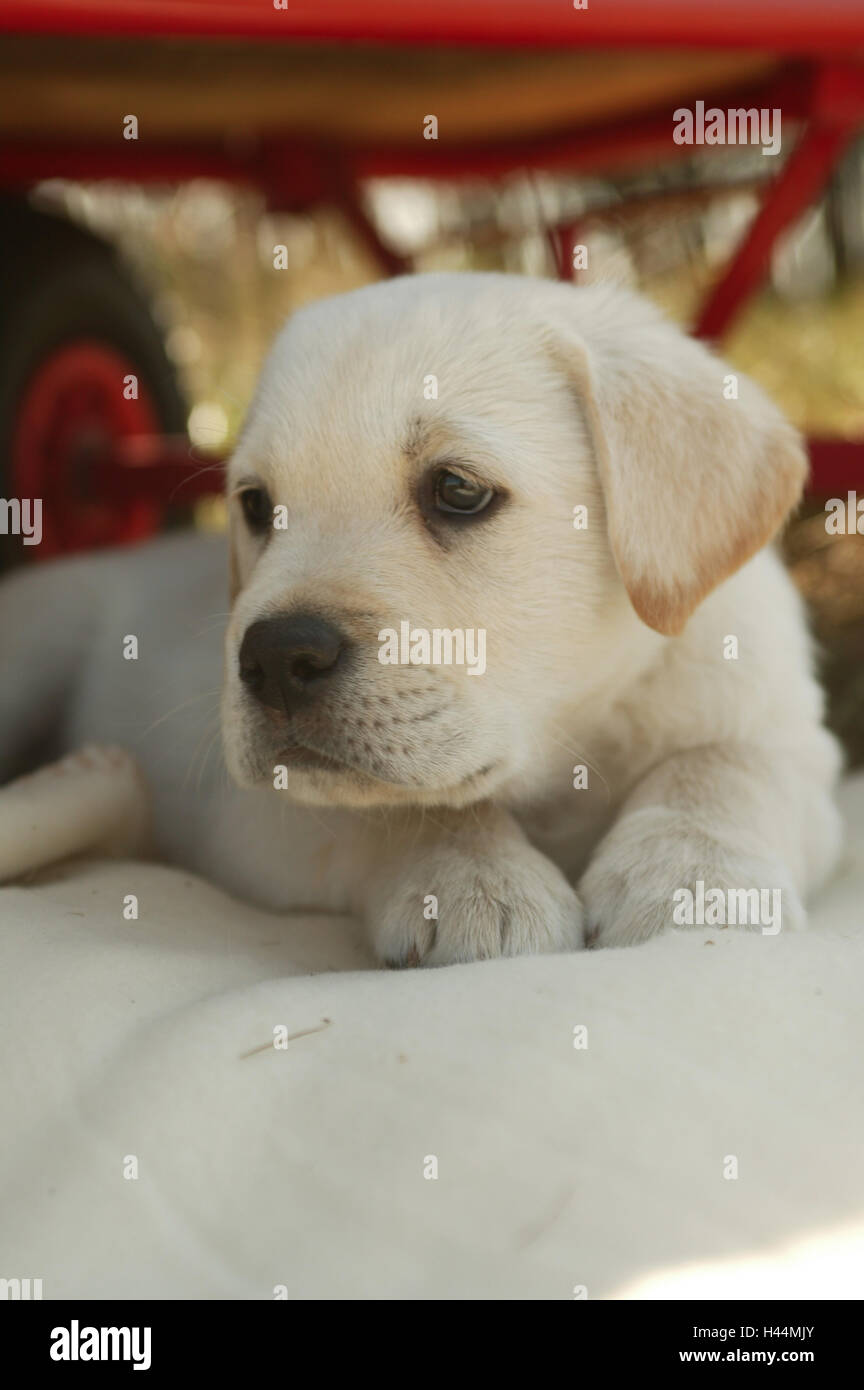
(288, 661)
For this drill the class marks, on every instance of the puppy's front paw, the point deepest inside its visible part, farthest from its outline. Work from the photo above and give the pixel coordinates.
(448, 905)
(633, 890)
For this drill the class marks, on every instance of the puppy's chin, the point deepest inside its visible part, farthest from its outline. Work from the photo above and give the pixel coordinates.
(350, 787)
(354, 791)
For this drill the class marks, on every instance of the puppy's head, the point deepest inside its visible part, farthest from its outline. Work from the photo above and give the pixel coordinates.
(463, 508)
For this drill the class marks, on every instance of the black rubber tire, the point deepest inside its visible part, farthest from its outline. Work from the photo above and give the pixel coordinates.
(59, 283)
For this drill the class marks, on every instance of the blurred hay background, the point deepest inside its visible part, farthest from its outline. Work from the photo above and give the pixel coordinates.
(205, 252)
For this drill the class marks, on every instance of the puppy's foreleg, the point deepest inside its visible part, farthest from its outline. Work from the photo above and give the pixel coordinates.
(759, 826)
(93, 801)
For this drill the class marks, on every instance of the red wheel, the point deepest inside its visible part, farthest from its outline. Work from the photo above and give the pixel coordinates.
(73, 327)
(72, 414)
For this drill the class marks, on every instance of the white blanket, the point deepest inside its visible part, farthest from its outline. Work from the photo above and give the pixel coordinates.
(307, 1169)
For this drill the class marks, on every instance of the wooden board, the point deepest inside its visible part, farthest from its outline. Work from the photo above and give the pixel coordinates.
(356, 93)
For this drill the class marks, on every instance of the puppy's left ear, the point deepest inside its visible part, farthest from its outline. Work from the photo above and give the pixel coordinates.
(698, 468)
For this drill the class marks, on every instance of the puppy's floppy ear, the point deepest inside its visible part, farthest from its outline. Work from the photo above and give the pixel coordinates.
(694, 482)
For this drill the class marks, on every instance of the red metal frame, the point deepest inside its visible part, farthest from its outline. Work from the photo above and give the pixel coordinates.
(803, 178)
(826, 28)
(834, 113)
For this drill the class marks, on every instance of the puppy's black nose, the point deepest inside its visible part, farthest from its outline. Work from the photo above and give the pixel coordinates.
(285, 661)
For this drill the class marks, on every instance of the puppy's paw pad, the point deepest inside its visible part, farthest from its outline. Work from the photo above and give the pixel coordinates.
(409, 961)
(401, 942)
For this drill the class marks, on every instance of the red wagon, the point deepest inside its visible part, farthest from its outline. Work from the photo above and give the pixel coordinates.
(307, 99)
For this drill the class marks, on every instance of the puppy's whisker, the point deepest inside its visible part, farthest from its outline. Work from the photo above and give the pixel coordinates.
(203, 744)
(198, 473)
(201, 695)
(581, 757)
(203, 768)
(210, 733)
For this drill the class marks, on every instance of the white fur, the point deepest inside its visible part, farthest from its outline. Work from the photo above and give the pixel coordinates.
(700, 767)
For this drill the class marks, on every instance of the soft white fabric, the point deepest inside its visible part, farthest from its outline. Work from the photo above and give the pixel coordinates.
(558, 1166)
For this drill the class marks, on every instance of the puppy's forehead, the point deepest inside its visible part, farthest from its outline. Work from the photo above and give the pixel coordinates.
(426, 367)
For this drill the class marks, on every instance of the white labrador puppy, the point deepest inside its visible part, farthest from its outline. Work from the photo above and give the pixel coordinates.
(553, 488)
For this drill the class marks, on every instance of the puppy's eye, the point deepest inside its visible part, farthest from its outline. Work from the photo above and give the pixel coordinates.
(463, 496)
(257, 508)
